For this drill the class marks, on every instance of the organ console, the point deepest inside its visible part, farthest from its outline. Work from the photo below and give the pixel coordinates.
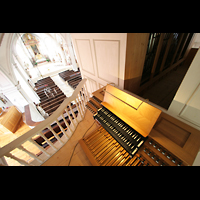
(132, 132)
(125, 135)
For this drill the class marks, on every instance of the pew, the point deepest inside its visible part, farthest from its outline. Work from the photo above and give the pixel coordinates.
(68, 74)
(49, 101)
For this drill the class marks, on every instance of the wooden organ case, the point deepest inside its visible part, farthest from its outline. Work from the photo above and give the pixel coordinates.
(131, 132)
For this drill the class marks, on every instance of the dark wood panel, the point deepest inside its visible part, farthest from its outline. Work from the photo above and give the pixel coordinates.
(170, 130)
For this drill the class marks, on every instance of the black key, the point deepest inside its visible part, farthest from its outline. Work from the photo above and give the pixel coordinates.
(126, 136)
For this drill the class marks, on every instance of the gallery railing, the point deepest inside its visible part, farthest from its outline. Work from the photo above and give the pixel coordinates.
(26, 151)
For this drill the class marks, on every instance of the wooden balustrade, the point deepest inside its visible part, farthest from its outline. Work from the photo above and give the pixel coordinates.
(26, 151)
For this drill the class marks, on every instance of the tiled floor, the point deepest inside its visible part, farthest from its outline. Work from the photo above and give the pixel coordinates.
(163, 92)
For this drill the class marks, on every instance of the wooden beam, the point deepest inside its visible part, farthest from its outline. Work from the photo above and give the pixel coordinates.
(190, 44)
(183, 46)
(156, 78)
(157, 54)
(136, 48)
(179, 42)
(166, 52)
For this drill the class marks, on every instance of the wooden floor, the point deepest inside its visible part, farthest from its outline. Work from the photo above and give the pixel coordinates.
(62, 157)
(8, 136)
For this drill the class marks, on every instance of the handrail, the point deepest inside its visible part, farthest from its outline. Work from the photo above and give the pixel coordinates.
(82, 98)
(28, 118)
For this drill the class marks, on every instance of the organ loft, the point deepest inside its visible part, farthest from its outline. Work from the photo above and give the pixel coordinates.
(135, 100)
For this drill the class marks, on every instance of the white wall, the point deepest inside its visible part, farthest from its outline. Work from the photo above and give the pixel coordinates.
(196, 43)
(12, 92)
(186, 103)
(5, 64)
(101, 57)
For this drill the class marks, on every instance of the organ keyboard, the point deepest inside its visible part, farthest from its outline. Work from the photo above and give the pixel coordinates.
(125, 135)
(134, 133)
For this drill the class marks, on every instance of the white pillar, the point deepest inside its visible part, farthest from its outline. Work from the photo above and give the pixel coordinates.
(62, 53)
(63, 57)
(31, 89)
(71, 52)
(16, 97)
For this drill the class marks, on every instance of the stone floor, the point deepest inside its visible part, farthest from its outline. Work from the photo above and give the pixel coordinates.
(163, 92)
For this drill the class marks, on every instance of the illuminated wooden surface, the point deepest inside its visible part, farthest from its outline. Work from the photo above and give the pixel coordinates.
(142, 118)
(7, 136)
(11, 118)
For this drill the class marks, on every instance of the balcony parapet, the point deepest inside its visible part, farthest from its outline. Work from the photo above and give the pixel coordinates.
(25, 150)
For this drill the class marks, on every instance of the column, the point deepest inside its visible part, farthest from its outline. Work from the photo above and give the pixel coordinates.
(30, 88)
(61, 53)
(71, 52)
(15, 96)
